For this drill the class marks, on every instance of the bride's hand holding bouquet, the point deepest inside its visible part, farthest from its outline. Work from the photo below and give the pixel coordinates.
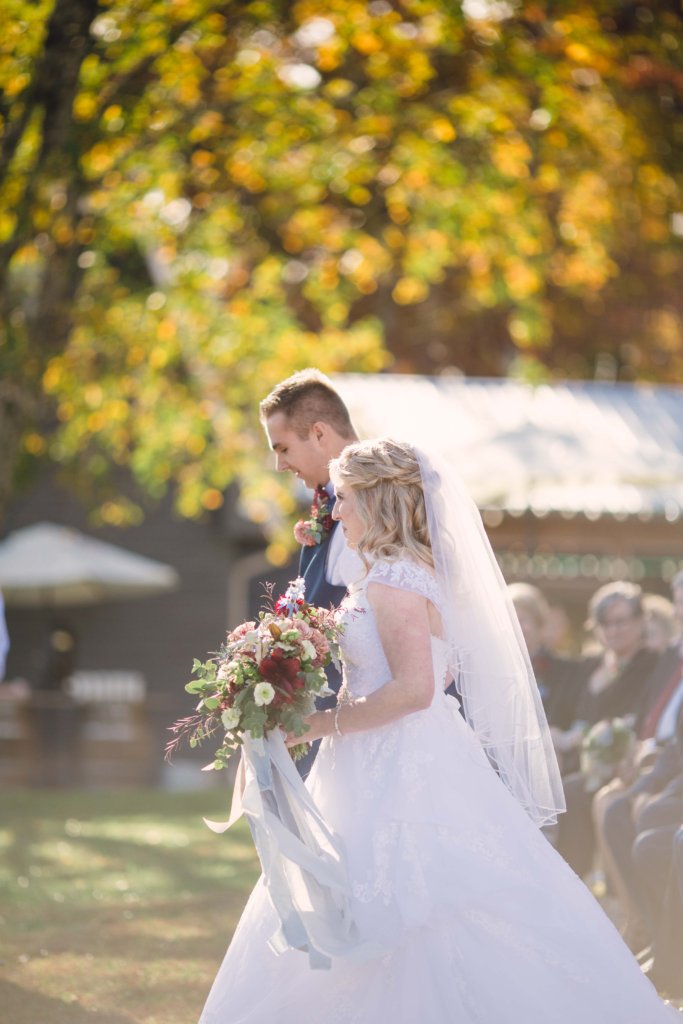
(266, 676)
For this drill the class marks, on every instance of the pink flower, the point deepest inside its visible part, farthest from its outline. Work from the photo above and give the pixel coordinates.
(303, 535)
(241, 630)
(319, 641)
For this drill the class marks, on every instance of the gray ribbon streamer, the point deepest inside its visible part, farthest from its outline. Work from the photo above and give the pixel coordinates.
(301, 856)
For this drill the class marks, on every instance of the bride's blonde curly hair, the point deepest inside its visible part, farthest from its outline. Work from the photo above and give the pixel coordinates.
(386, 481)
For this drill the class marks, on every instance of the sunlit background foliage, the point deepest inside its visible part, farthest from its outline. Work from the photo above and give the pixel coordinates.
(197, 198)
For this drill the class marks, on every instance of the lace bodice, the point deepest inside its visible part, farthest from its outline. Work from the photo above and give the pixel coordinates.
(365, 665)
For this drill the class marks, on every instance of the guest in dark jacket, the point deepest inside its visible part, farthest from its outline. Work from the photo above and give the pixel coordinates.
(616, 685)
(635, 829)
(559, 679)
(666, 968)
(651, 797)
(660, 622)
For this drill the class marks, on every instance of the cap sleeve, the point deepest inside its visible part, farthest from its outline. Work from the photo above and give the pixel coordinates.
(405, 575)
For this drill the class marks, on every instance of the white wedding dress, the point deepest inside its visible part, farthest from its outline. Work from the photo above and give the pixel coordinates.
(477, 918)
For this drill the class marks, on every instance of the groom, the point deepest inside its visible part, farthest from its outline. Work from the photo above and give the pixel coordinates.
(308, 425)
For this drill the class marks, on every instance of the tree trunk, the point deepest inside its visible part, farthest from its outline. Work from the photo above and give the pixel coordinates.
(42, 314)
(16, 407)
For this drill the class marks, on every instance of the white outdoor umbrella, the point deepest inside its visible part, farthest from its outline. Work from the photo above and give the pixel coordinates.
(50, 565)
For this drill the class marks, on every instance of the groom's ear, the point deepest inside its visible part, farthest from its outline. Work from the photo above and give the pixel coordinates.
(320, 431)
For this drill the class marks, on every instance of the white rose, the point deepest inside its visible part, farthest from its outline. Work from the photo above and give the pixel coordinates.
(230, 718)
(309, 650)
(224, 671)
(263, 694)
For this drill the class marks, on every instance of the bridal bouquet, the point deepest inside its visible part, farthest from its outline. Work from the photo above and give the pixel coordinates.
(604, 746)
(266, 676)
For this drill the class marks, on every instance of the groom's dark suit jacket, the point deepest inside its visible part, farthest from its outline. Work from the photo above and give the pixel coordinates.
(323, 594)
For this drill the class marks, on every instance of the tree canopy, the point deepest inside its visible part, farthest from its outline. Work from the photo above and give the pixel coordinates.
(198, 197)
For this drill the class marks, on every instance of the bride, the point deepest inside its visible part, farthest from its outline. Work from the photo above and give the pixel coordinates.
(472, 915)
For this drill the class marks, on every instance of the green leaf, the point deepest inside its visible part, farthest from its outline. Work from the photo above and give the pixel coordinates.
(195, 686)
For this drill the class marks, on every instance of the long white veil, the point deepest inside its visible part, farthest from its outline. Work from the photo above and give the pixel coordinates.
(488, 655)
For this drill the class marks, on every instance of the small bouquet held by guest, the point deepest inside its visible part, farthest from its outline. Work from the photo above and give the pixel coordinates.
(266, 676)
(605, 746)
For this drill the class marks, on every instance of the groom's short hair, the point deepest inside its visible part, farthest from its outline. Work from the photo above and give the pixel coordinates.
(305, 398)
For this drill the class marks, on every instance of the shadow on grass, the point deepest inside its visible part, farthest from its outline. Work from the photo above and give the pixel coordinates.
(56, 804)
(117, 908)
(205, 864)
(148, 844)
(196, 928)
(22, 1005)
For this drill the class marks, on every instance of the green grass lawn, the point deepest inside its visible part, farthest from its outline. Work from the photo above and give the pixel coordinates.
(116, 908)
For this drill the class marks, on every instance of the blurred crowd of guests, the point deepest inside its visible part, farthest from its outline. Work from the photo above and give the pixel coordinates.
(626, 827)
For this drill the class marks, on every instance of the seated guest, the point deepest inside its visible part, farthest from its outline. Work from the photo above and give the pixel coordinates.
(660, 622)
(557, 677)
(653, 861)
(616, 685)
(652, 795)
(636, 834)
(666, 968)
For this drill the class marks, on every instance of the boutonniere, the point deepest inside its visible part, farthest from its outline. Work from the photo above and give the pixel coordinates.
(315, 530)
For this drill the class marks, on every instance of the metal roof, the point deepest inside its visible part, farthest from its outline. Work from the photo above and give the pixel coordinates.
(577, 447)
